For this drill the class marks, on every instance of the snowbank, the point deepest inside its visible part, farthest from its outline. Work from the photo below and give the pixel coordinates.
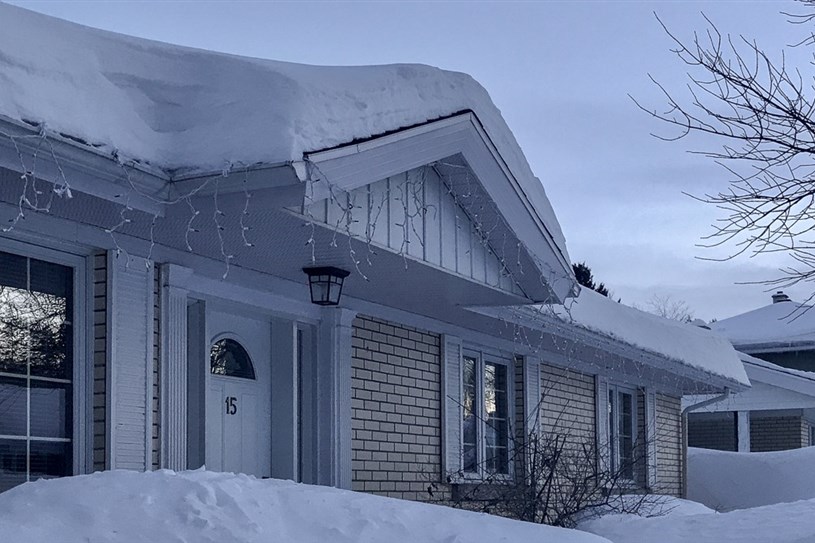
(206, 507)
(782, 523)
(675, 340)
(729, 480)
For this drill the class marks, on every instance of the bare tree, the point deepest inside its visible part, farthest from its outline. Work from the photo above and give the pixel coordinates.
(667, 307)
(759, 111)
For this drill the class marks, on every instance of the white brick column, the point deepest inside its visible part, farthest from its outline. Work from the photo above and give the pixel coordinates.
(334, 397)
(743, 430)
(174, 366)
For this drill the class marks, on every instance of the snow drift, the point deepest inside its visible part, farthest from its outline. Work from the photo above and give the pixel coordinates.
(729, 480)
(207, 507)
(781, 523)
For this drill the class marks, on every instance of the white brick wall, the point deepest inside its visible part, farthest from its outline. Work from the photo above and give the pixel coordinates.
(568, 404)
(669, 445)
(396, 402)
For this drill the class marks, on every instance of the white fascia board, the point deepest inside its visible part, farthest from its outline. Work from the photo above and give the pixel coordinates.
(780, 377)
(256, 177)
(85, 169)
(360, 164)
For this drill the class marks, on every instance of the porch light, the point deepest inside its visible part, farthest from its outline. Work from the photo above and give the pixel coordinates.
(325, 284)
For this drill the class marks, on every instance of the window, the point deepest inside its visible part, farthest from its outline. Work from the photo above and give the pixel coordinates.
(230, 359)
(485, 408)
(622, 417)
(36, 369)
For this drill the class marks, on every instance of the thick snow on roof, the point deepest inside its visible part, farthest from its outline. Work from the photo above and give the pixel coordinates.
(190, 110)
(782, 323)
(686, 343)
(789, 372)
(206, 507)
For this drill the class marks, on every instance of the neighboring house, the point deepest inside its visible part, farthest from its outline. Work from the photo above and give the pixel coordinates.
(782, 332)
(160, 317)
(777, 412)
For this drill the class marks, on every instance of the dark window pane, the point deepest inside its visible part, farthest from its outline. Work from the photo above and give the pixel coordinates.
(12, 406)
(51, 279)
(13, 271)
(470, 458)
(495, 406)
(14, 329)
(12, 463)
(50, 409)
(229, 358)
(50, 459)
(469, 438)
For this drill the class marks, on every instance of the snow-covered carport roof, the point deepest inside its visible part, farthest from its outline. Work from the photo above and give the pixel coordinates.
(761, 371)
(177, 116)
(681, 356)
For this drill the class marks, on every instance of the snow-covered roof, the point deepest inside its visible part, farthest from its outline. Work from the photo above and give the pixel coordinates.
(688, 344)
(766, 372)
(779, 324)
(193, 111)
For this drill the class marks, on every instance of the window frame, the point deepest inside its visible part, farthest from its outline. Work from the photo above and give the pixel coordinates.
(613, 428)
(78, 260)
(483, 357)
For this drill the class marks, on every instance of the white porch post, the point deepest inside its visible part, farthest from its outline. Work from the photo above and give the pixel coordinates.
(334, 397)
(743, 430)
(174, 366)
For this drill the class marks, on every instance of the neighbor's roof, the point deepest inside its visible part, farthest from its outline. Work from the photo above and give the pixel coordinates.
(782, 324)
(193, 111)
(766, 372)
(686, 343)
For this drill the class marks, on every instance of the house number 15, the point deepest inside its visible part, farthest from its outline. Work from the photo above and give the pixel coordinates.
(231, 405)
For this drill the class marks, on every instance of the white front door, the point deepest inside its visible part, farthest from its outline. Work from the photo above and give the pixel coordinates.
(238, 425)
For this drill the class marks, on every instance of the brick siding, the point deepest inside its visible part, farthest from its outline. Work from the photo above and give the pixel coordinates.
(156, 430)
(100, 361)
(568, 404)
(669, 445)
(712, 431)
(396, 403)
(777, 433)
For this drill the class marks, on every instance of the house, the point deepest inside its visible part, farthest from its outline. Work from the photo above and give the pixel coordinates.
(165, 210)
(776, 413)
(778, 346)
(782, 332)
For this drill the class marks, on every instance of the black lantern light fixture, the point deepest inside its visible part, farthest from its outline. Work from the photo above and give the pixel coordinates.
(325, 284)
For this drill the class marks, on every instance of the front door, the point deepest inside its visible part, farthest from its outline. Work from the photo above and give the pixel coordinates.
(238, 426)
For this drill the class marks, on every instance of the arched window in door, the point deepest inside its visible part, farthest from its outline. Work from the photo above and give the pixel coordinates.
(228, 358)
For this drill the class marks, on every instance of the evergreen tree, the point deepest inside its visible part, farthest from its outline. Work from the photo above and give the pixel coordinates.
(584, 276)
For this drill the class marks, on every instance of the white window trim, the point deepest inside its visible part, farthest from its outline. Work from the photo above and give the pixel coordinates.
(613, 430)
(482, 356)
(82, 401)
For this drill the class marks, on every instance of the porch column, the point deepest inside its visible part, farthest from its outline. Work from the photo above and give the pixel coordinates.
(174, 280)
(334, 397)
(743, 430)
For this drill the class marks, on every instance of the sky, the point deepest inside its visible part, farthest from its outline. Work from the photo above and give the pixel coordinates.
(563, 74)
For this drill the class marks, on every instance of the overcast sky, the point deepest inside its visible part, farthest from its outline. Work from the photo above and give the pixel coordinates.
(561, 73)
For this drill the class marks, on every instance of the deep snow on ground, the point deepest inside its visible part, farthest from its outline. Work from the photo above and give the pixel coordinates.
(207, 507)
(728, 480)
(780, 523)
(725, 481)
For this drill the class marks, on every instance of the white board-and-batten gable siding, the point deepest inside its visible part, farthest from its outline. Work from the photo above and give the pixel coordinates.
(131, 339)
(415, 214)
